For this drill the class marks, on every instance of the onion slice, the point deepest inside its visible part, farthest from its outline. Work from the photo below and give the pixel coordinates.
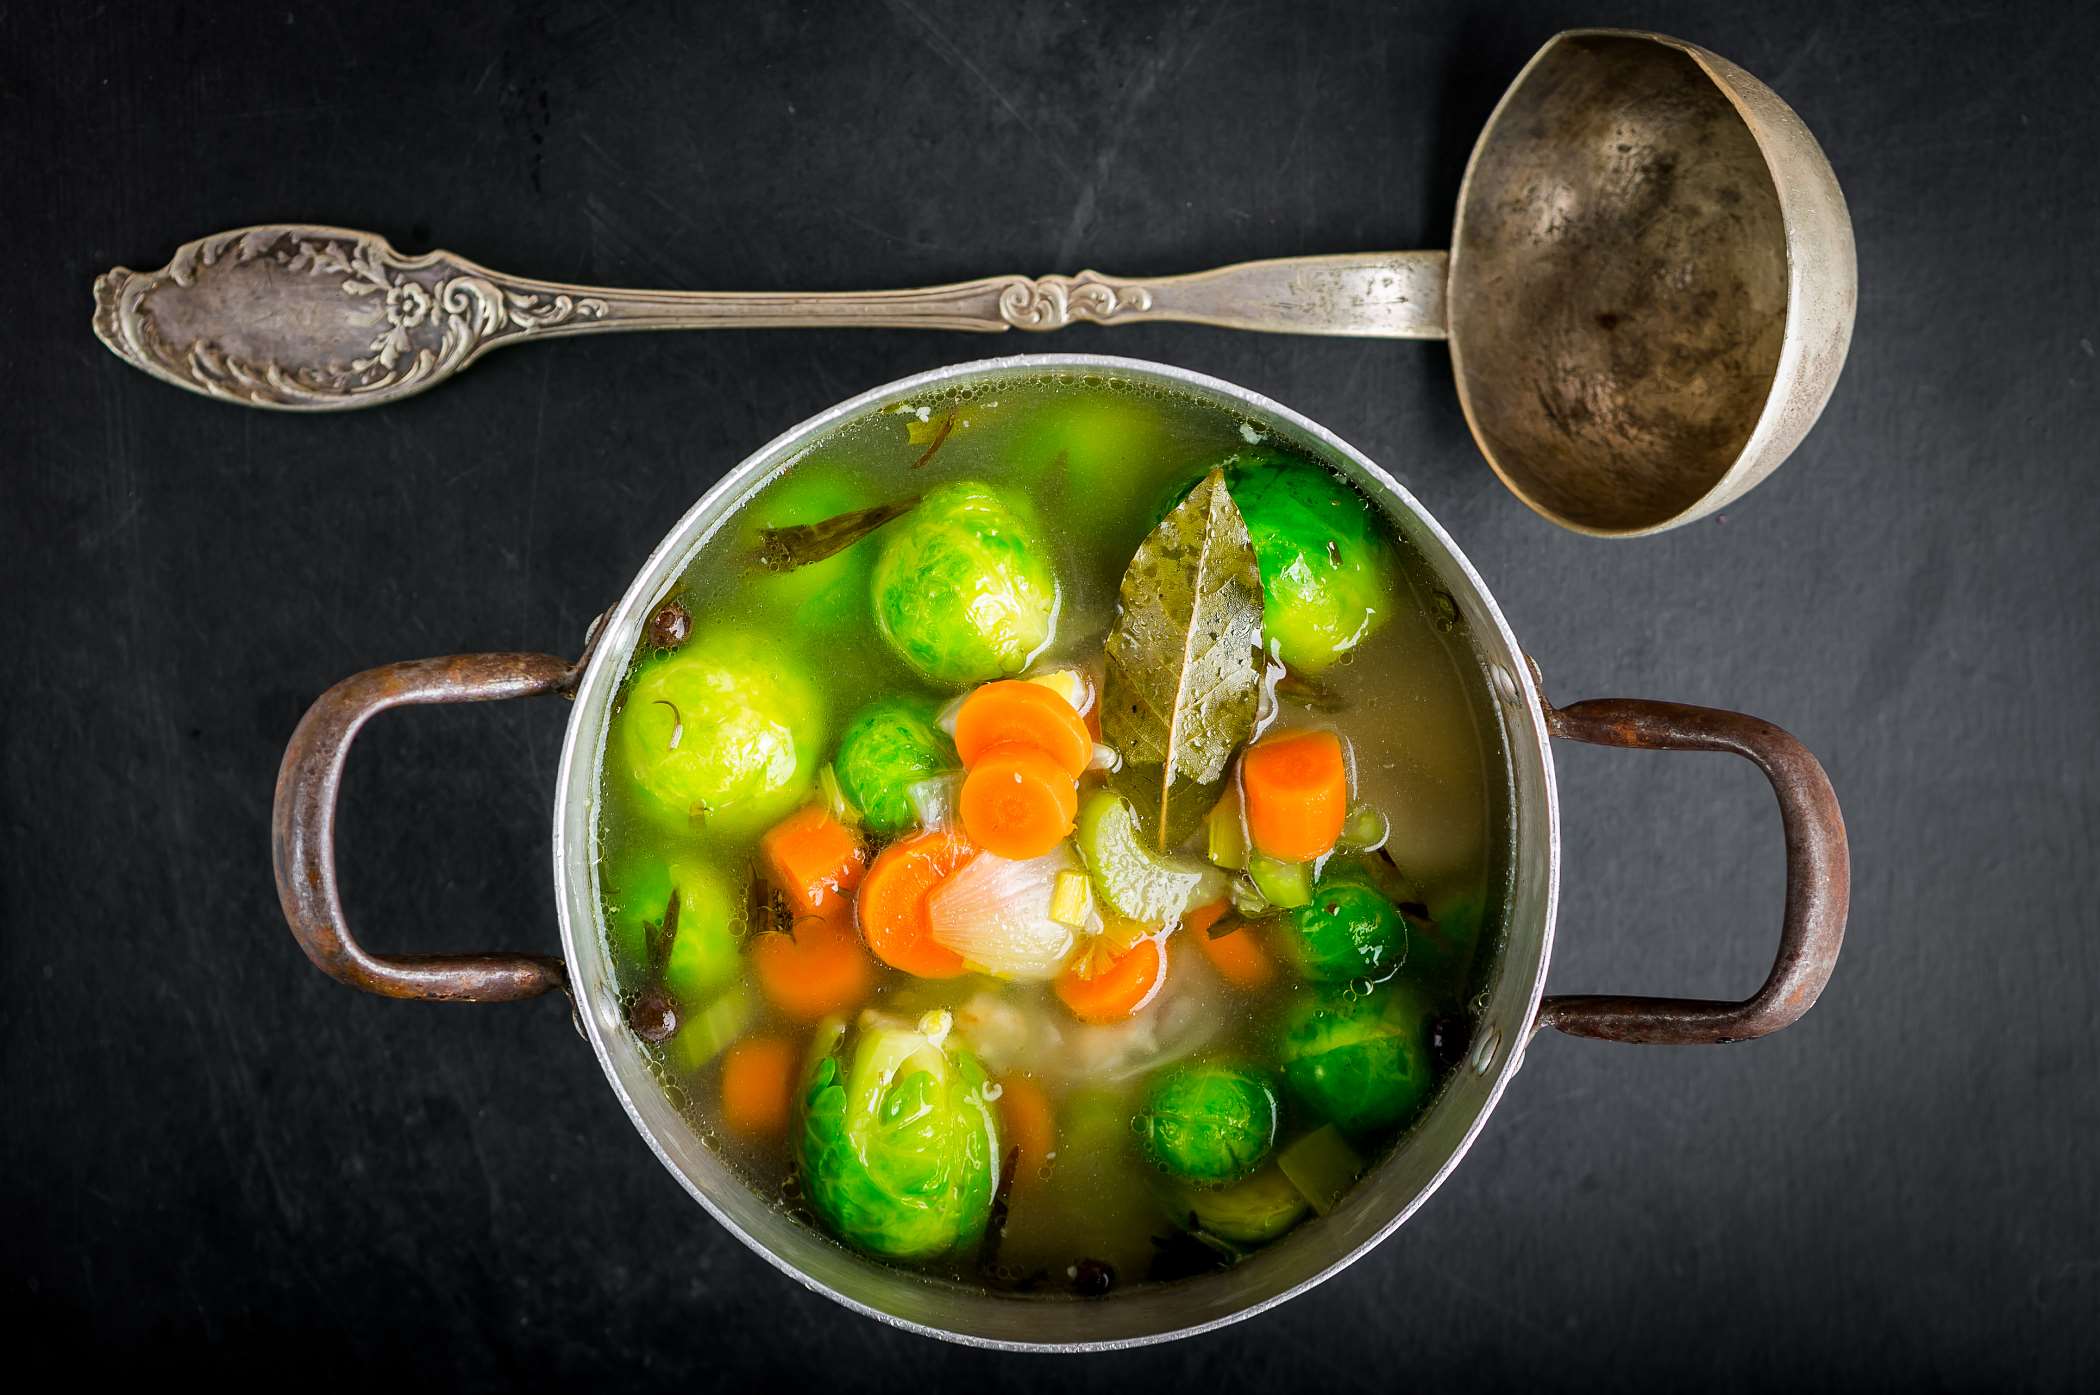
(995, 913)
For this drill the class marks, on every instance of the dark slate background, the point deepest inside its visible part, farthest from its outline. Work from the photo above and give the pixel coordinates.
(215, 1157)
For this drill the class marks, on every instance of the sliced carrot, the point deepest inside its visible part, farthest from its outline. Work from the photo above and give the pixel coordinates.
(1015, 711)
(818, 969)
(1237, 955)
(1117, 989)
(892, 906)
(815, 860)
(1296, 786)
(1017, 802)
(757, 1078)
(1029, 1126)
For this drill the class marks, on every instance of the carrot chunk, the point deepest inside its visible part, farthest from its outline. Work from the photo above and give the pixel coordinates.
(1014, 711)
(1296, 786)
(817, 969)
(815, 860)
(1017, 802)
(1237, 954)
(757, 1081)
(1117, 989)
(1028, 1125)
(892, 907)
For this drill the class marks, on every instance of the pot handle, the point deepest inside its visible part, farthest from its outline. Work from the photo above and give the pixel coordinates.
(1818, 876)
(302, 828)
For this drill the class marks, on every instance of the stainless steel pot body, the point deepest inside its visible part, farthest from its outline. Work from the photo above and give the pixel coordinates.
(1379, 1204)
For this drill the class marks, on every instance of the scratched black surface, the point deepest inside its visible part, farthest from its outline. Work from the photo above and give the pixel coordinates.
(215, 1158)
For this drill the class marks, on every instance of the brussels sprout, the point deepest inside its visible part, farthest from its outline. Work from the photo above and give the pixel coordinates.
(1440, 954)
(900, 1151)
(1089, 445)
(1208, 1124)
(1346, 931)
(721, 731)
(1358, 1060)
(963, 590)
(829, 594)
(709, 922)
(889, 746)
(1326, 564)
(1253, 1211)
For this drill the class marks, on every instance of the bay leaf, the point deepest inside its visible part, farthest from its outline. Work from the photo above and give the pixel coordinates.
(799, 544)
(1185, 658)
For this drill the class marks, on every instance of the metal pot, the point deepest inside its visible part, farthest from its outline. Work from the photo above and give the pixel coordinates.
(1816, 896)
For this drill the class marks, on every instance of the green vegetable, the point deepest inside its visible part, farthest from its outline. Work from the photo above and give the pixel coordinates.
(962, 587)
(1440, 954)
(1327, 568)
(1283, 883)
(1207, 1124)
(723, 731)
(706, 926)
(704, 1034)
(1358, 1060)
(1346, 931)
(825, 591)
(889, 746)
(1225, 836)
(900, 1151)
(1322, 1166)
(1253, 1211)
(1132, 880)
(1089, 445)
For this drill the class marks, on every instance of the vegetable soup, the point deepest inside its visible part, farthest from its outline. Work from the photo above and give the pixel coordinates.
(1045, 836)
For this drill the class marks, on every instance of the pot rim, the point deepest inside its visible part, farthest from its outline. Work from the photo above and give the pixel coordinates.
(1523, 716)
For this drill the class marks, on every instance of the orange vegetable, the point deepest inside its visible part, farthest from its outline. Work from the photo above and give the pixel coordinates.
(892, 907)
(815, 860)
(1028, 1124)
(1017, 802)
(1012, 711)
(1237, 955)
(757, 1076)
(1296, 787)
(818, 969)
(1117, 989)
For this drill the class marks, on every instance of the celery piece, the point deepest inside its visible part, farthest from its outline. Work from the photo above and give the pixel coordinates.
(1070, 899)
(1225, 836)
(1285, 884)
(1322, 1166)
(703, 1035)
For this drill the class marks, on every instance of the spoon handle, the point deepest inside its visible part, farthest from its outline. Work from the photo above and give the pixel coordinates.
(310, 318)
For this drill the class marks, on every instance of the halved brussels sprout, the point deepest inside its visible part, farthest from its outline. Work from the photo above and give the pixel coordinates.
(1327, 568)
(722, 732)
(963, 588)
(1209, 1123)
(710, 922)
(1358, 1060)
(1253, 1211)
(889, 746)
(900, 1148)
(1346, 931)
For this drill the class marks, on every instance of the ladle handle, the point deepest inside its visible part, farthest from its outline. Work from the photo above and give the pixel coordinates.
(302, 828)
(310, 318)
(1818, 876)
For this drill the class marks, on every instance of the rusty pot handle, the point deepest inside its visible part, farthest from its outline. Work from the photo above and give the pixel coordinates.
(302, 828)
(1818, 876)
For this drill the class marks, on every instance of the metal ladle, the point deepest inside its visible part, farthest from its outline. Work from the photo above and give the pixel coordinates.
(1649, 295)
